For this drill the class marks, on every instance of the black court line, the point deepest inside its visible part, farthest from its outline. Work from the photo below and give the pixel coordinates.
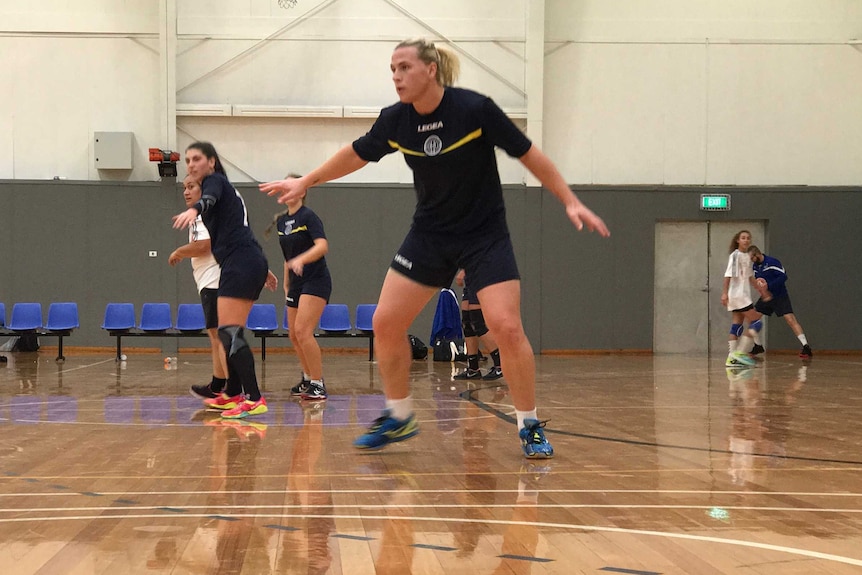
(468, 396)
(354, 537)
(629, 571)
(282, 527)
(525, 558)
(433, 547)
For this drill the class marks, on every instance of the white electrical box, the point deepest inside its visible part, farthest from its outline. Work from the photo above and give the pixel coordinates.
(113, 150)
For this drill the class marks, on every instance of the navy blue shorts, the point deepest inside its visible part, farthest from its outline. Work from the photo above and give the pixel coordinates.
(318, 286)
(243, 274)
(469, 295)
(780, 306)
(209, 301)
(433, 259)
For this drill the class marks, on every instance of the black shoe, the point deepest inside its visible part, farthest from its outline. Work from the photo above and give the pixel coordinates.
(314, 391)
(202, 391)
(468, 374)
(806, 352)
(495, 372)
(757, 349)
(300, 388)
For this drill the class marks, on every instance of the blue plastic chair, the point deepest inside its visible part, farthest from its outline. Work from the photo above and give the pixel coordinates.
(62, 319)
(335, 318)
(364, 323)
(364, 316)
(262, 318)
(26, 317)
(263, 321)
(286, 326)
(62, 316)
(190, 317)
(2, 315)
(155, 317)
(119, 319)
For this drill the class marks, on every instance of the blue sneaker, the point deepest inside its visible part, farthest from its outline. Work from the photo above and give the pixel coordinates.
(385, 430)
(533, 440)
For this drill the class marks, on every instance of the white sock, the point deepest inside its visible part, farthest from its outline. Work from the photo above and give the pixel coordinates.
(744, 344)
(305, 377)
(731, 346)
(400, 409)
(757, 338)
(522, 415)
(318, 381)
(801, 337)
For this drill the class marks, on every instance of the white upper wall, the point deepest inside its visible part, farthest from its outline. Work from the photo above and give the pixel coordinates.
(704, 92)
(663, 92)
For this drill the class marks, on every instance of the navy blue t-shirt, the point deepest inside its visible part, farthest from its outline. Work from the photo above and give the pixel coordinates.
(451, 153)
(225, 216)
(296, 235)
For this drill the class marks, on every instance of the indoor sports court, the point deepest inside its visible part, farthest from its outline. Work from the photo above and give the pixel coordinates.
(679, 125)
(664, 464)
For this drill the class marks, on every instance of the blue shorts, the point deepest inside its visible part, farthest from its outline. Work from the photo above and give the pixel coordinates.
(318, 286)
(209, 301)
(243, 273)
(434, 259)
(780, 306)
(469, 295)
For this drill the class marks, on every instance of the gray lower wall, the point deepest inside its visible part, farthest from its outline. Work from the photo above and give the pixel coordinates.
(89, 241)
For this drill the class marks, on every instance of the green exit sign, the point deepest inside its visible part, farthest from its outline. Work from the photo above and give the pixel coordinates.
(713, 202)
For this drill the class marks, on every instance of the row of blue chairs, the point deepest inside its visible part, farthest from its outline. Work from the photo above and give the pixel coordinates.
(27, 319)
(334, 322)
(156, 320)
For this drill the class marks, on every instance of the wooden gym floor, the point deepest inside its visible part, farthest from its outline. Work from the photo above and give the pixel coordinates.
(666, 464)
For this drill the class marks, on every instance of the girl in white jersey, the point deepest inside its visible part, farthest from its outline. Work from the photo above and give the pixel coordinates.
(736, 295)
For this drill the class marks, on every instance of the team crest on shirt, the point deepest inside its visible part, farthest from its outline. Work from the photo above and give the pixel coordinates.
(433, 146)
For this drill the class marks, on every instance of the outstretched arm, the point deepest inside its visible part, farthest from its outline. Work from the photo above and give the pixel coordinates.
(345, 161)
(541, 166)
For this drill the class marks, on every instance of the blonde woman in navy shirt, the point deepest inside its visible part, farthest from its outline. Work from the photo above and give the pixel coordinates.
(244, 272)
(448, 136)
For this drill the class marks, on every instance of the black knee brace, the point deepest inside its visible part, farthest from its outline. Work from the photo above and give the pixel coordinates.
(232, 339)
(467, 323)
(478, 321)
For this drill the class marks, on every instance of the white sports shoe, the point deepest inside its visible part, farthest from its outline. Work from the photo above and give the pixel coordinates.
(739, 359)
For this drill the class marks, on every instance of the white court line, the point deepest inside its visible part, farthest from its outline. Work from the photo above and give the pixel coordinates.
(89, 365)
(685, 536)
(378, 491)
(19, 510)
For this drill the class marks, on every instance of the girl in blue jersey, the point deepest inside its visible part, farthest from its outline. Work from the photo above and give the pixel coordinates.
(448, 136)
(307, 287)
(244, 272)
